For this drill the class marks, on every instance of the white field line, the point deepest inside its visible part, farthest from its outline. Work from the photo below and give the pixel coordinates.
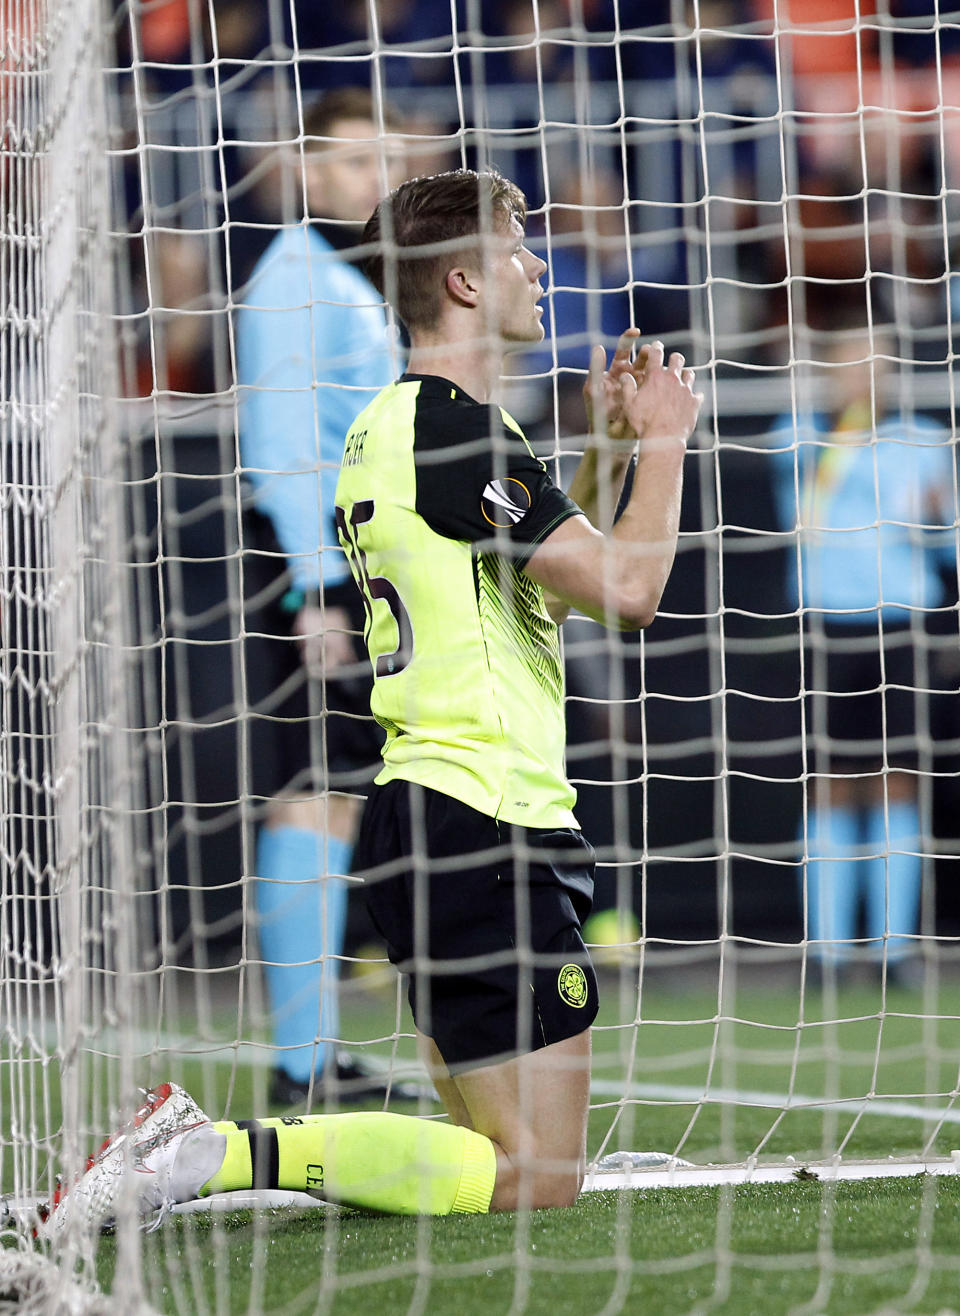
(673, 1175)
(888, 1107)
(701, 1176)
(260, 1055)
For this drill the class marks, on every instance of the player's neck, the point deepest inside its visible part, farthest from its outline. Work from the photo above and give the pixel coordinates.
(473, 367)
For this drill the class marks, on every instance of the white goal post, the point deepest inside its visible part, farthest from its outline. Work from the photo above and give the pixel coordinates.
(69, 929)
(764, 1013)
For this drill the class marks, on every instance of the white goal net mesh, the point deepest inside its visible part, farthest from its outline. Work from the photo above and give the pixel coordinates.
(769, 773)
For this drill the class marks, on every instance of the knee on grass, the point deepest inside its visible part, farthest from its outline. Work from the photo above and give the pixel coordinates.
(540, 1190)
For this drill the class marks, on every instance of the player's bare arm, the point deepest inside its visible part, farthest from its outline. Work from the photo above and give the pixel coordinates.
(598, 481)
(645, 406)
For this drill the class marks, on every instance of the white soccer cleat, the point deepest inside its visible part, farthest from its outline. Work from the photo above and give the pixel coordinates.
(148, 1147)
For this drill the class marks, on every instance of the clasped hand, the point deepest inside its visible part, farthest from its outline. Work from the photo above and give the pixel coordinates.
(638, 397)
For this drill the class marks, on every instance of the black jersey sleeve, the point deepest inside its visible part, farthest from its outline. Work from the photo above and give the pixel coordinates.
(478, 480)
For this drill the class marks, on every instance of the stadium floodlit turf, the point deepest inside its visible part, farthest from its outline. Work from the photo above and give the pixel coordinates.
(875, 1245)
(890, 1245)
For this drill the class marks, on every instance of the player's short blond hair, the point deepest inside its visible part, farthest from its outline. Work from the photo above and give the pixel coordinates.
(425, 226)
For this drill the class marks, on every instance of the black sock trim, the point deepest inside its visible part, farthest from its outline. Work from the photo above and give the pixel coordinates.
(264, 1153)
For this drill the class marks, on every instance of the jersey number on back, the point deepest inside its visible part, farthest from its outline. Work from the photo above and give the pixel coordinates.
(376, 587)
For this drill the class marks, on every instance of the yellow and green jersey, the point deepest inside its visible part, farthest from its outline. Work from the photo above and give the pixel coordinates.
(440, 503)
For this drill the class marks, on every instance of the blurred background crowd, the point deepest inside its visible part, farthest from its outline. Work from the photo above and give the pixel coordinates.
(734, 180)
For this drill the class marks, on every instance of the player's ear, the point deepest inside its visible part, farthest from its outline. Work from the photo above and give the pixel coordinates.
(463, 286)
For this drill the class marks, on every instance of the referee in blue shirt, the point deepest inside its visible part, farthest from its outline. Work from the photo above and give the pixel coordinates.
(870, 496)
(313, 348)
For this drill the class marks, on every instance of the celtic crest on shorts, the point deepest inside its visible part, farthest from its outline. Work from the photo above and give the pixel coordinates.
(572, 985)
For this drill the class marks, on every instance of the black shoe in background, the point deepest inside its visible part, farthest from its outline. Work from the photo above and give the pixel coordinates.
(353, 1080)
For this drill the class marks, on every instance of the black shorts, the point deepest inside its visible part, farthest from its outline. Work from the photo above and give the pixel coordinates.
(486, 919)
(861, 712)
(303, 735)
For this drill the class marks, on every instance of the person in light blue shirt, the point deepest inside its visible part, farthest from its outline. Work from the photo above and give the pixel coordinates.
(870, 499)
(313, 348)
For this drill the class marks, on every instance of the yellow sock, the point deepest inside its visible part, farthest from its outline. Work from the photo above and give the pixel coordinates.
(372, 1159)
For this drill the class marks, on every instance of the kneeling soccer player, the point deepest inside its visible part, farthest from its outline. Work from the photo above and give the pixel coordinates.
(468, 557)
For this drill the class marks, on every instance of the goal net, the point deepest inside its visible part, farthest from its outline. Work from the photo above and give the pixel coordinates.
(769, 773)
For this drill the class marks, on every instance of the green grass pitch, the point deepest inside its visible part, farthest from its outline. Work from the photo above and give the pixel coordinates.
(892, 1246)
(888, 1246)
